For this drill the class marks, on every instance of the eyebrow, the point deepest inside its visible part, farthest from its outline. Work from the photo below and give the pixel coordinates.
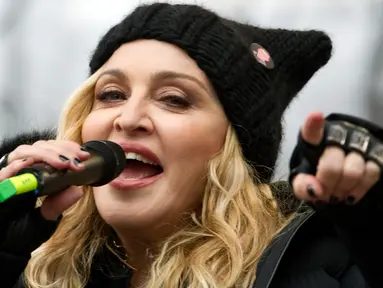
(169, 75)
(157, 76)
(113, 72)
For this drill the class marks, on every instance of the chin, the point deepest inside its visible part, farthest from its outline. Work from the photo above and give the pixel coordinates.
(125, 221)
(128, 211)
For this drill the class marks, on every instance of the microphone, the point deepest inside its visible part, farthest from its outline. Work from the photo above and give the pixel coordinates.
(106, 162)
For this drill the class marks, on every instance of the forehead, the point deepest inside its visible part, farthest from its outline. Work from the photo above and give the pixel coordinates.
(148, 56)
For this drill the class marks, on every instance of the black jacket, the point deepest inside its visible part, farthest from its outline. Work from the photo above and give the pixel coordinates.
(334, 246)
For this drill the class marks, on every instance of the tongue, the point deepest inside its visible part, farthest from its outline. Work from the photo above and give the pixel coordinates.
(138, 170)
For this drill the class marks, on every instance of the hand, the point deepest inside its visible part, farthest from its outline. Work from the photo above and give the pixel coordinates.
(339, 177)
(58, 154)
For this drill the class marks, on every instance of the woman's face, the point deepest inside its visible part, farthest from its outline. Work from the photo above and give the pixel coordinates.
(154, 101)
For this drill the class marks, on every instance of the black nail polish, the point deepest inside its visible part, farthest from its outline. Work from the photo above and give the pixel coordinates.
(76, 161)
(25, 159)
(311, 191)
(63, 158)
(334, 200)
(350, 199)
(83, 149)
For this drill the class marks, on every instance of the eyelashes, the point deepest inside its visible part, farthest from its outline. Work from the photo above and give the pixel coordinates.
(171, 100)
(110, 96)
(176, 101)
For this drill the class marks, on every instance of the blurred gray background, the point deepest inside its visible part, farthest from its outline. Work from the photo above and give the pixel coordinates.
(45, 47)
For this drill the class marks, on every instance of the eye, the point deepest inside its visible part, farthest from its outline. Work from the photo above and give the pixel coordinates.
(111, 96)
(176, 101)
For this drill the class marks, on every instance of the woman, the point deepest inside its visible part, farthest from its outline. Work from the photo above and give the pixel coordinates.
(196, 102)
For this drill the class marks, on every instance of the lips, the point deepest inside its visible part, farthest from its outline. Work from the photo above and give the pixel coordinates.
(142, 168)
(141, 150)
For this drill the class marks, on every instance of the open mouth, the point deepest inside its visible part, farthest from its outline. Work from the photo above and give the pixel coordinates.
(138, 167)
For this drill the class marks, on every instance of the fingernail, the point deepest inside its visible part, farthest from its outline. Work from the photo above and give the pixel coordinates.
(311, 191)
(25, 159)
(76, 162)
(84, 152)
(334, 200)
(63, 158)
(350, 199)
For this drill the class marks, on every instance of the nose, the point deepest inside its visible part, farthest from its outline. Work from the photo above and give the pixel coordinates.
(134, 119)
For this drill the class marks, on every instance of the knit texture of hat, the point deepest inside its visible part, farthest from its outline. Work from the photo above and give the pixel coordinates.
(255, 72)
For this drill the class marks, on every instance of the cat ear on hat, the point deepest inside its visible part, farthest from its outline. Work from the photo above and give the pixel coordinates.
(294, 55)
(290, 57)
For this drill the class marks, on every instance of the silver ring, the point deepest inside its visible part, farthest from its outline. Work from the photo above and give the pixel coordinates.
(4, 161)
(337, 134)
(359, 141)
(376, 153)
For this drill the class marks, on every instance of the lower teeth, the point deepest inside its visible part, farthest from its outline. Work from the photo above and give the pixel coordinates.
(131, 178)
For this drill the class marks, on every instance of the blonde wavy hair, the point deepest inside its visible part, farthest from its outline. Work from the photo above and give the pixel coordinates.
(221, 249)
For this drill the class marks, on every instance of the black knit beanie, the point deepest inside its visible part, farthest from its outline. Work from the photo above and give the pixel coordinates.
(255, 72)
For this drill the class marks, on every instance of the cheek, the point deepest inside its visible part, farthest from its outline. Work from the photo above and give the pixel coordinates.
(188, 147)
(98, 125)
(191, 144)
(202, 139)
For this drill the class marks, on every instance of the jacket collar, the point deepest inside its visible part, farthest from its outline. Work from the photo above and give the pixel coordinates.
(273, 255)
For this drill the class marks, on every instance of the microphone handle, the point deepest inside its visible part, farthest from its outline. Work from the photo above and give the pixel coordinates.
(51, 181)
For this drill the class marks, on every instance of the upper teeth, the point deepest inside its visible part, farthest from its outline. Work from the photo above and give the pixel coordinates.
(135, 156)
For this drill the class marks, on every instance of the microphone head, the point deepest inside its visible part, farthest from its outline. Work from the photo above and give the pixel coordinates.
(113, 156)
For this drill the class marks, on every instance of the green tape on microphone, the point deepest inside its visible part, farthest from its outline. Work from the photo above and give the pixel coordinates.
(17, 185)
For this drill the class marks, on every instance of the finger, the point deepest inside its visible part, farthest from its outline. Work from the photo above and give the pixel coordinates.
(54, 205)
(74, 147)
(18, 153)
(353, 171)
(39, 154)
(371, 176)
(312, 130)
(330, 169)
(14, 167)
(67, 151)
(307, 188)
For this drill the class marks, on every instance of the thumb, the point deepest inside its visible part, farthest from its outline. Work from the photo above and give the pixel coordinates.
(53, 206)
(312, 129)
